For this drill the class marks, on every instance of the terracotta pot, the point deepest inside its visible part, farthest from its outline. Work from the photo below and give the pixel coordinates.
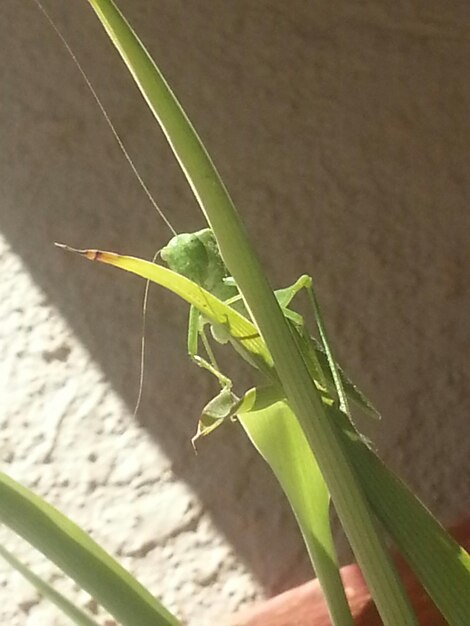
(305, 606)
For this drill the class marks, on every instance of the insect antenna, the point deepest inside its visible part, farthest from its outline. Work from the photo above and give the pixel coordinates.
(106, 116)
(142, 342)
(136, 174)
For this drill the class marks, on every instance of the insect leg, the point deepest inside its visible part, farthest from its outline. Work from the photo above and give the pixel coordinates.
(196, 330)
(305, 282)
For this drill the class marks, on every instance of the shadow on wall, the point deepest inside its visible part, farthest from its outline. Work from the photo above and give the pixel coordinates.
(340, 129)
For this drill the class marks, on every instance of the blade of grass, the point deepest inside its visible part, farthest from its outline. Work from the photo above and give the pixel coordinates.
(243, 264)
(81, 558)
(442, 566)
(207, 304)
(276, 434)
(73, 612)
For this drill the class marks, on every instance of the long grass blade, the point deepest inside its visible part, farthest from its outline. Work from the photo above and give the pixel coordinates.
(442, 566)
(81, 558)
(73, 612)
(276, 434)
(239, 327)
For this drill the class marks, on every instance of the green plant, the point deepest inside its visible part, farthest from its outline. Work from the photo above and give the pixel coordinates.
(71, 549)
(298, 421)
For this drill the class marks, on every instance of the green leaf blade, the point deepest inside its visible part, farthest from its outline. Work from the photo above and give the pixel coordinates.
(81, 558)
(239, 327)
(277, 435)
(73, 612)
(442, 566)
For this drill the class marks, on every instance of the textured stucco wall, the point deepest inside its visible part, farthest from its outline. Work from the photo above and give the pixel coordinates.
(341, 130)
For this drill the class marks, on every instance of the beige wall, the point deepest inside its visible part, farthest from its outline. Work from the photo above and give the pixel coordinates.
(342, 132)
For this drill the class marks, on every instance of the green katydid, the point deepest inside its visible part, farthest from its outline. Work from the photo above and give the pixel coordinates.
(196, 256)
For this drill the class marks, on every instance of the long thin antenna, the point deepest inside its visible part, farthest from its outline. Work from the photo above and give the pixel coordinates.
(142, 344)
(106, 116)
(136, 174)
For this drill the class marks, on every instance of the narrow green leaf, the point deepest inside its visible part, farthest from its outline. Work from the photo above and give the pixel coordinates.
(216, 311)
(81, 558)
(442, 566)
(73, 612)
(277, 435)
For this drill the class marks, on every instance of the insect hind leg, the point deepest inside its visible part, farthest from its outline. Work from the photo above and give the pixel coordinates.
(305, 282)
